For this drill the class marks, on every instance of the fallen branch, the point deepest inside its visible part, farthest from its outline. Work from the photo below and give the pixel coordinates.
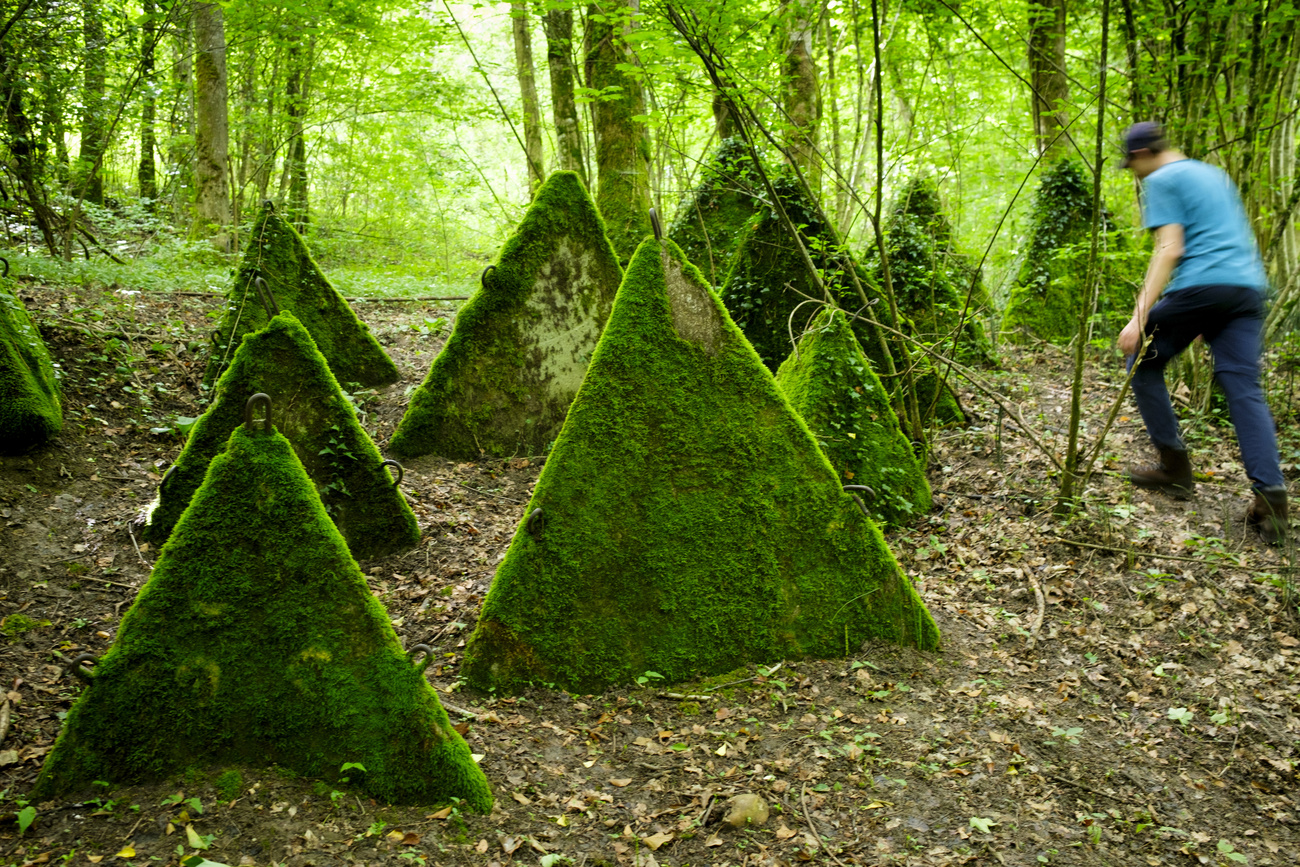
(1117, 798)
(1038, 621)
(1132, 553)
(4, 720)
(812, 829)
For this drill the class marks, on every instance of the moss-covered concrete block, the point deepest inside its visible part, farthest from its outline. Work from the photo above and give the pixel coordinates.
(319, 422)
(1052, 281)
(521, 345)
(31, 409)
(278, 255)
(256, 641)
(829, 382)
(768, 288)
(686, 522)
(710, 221)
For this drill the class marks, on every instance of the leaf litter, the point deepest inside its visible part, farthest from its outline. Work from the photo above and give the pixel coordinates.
(1118, 688)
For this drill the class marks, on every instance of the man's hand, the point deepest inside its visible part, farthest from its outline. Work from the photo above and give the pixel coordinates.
(1131, 337)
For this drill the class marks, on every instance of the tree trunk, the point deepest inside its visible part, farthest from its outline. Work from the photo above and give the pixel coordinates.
(558, 26)
(803, 107)
(1047, 75)
(296, 94)
(145, 175)
(21, 141)
(211, 133)
(833, 94)
(90, 179)
(180, 143)
(622, 146)
(521, 24)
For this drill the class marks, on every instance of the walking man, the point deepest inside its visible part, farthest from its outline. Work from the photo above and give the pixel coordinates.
(1205, 278)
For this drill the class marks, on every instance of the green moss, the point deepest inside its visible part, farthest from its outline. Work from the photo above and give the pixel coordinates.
(831, 384)
(278, 255)
(689, 523)
(31, 411)
(256, 641)
(710, 221)
(18, 625)
(1045, 300)
(230, 785)
(931, 279)
(311, 410)
(521, 345)
(768, 285)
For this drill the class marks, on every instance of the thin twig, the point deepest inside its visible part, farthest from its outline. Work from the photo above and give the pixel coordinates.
(137, 546)
(4, 720)
(1038, 621)
(1133, 553)
(812, 829)
(490, 494)
(1117, 798)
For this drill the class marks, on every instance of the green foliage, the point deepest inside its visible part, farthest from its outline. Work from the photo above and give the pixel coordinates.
(519, 349)
(688, 522)
(315, 415)
(256, 640)
(31, 410)
(17, 625)
(230, 785)
(1052, 282)
(710, 221)
(830, 383)
(278, 255)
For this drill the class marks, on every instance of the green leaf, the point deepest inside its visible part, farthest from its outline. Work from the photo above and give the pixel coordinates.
(981, 824)
(26, 816)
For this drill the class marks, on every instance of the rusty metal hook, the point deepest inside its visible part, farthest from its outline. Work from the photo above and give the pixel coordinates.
(654, 224)
(162, 484)
(6, 261)
(267, 203)
(482, 278)
(849, 489)
(75, 667)
(260, 397)
(536, 523)
(400, 472)
(268, 300)
(428, 656)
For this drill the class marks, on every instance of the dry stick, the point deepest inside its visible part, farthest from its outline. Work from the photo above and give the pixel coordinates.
(137, 546)
(812, 829)
(1038, 621)
(1118, 798)
(1129, 551)
(4, 720)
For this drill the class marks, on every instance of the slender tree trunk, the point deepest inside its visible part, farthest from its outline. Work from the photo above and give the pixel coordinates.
(724, 125)
(557, 24)
(299, 63)
(521, 25)
(180, 143)
(212, 132)
(833, 94)
(145, 175)
(1047, 75)
(802, 97)
(622, 145)
(21, 141)
(90, 180)
(53, 127)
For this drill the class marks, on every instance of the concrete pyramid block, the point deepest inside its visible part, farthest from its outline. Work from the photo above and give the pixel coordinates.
(829, 382)
(710, 222)
(521, 345)
(686, 521)
(340, 458)
(256, 641)
(277, 254)
(31, 409)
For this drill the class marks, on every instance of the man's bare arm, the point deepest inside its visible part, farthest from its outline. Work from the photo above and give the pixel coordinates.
(1169, 249)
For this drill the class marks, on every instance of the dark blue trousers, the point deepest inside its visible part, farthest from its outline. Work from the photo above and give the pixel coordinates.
(1231, 319)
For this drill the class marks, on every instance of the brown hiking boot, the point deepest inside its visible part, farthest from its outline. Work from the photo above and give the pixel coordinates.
(1268, 514)
(1172, 475)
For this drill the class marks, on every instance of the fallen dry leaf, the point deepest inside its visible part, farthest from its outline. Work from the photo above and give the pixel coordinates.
(654, 841)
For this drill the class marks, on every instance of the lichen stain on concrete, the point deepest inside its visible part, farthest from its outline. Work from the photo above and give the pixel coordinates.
(695, 312)
(563, 327)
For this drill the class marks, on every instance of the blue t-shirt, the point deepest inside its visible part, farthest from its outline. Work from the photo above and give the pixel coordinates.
(1218, 244)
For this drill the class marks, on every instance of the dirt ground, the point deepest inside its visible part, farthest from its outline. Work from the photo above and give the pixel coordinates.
(1120, 689)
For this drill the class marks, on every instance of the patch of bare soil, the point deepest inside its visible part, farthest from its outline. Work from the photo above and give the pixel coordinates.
(1119, 689)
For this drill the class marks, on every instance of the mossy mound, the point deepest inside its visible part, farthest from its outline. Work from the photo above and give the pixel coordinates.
(932, 280)
(829, 382)
(278, 255)
(767, 287)
(31, 411)
(256, 641)
(686, 522)
(710, 221)
(311, 410)
(1052, 282)
(521, 345)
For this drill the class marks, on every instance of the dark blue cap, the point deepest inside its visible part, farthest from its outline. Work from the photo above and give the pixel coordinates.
(1144, 135)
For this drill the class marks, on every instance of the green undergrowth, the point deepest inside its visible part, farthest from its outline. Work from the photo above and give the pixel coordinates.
(710, 221)
(277, 254)
(1052, 282)
(256, 641)
(689, 523)
(311, 410)
(503, 382)
(831, 384)
(31, 409)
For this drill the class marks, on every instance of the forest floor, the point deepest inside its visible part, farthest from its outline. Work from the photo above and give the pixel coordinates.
(1117, 689)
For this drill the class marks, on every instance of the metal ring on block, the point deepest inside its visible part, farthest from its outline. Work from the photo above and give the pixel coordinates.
(268, 300)
(85, 674)
(482, 278)
(654, 224)
(400, 471)
(6, 261)
(260, 397)
(536, 521)
(849, 489)
(869, 491)
(267, 203)
(162, 485)
(428, 656)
